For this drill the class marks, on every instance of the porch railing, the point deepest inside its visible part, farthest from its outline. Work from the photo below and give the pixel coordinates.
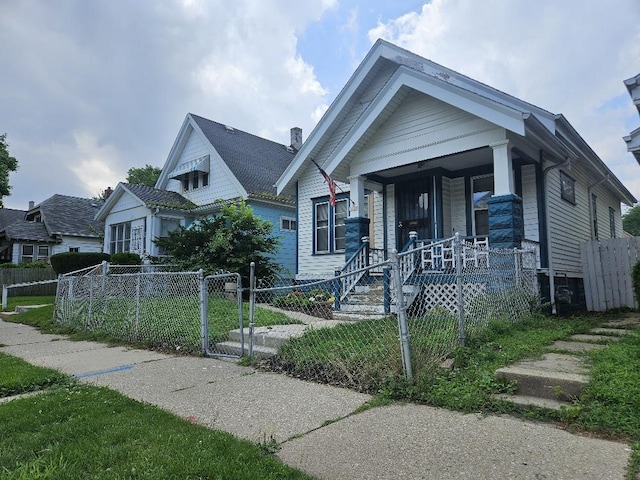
(354, 269)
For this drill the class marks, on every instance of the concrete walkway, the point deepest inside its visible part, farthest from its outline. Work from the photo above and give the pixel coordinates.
(314, 423)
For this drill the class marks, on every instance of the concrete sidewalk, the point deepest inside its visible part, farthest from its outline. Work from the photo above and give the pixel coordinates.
(313, 423)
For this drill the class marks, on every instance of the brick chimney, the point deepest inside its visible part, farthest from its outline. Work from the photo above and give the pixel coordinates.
(296, 138)
(31, 204)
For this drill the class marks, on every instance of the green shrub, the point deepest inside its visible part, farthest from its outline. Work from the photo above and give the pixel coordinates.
(635, 280)
(8, 265)
(37, 264)
(126, 258)
(71, 261)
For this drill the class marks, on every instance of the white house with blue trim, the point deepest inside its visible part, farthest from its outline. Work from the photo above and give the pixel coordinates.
(209, 161)
(417, 147)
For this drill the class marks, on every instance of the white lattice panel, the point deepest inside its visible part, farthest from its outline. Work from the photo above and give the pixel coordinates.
(444, 295)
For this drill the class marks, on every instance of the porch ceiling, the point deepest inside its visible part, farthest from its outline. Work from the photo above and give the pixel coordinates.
(458, 161)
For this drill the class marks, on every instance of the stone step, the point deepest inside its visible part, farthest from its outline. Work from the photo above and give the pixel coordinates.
(358, 316)
(360, 308)
(555, 377)
(581, 337)
(576, 346)
(611, 331)
(270, 337)
(527, 401)
(234, 348)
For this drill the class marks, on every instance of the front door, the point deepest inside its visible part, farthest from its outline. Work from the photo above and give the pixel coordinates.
(413, 210)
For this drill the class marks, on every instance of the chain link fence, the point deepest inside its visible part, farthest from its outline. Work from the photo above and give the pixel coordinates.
(402, 316)
(160, 310)
(359, 327)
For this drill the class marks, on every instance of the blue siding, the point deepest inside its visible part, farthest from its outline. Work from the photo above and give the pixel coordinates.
(286, 256)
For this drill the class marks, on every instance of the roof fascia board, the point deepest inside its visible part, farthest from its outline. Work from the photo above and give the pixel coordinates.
(340, 102)
(475, 104)
(103, 213)
(596, 163)
(174, 153)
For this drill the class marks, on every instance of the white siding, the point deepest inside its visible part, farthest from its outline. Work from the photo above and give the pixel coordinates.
(530, 203)
(458, 207)
(222, 184)
(378, 221)
(83, 244)
(311, 186)
(569, 224)
(359, 107)
(423, 128)
(605, 200)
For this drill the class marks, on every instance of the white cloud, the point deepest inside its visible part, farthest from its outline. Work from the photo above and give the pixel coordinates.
(568, 57)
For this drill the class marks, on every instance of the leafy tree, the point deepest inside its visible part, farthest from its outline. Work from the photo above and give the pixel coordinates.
(631, 221)
(228, 242)
(147, 175)
(7, 164)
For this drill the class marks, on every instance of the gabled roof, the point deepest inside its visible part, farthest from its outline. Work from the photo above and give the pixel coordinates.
(633, 87)
(401, 70)
(25, 230)
(255, 162)
(9, 215)
(150, 197)
(64, 215)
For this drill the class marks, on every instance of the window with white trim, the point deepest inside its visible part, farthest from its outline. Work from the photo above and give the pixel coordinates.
(329, 225)
(120, 240)
(288, 224)
(74, 249)
(32, 253)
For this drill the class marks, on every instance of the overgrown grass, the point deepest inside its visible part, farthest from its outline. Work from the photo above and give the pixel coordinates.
(81, 431)
(18, 376)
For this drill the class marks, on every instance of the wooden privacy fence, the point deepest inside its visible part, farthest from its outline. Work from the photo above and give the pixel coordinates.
(607, 268)
(11, 276)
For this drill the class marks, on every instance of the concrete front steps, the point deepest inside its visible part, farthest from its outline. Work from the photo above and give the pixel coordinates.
(559, 377)
(267, 340)
(366, 302)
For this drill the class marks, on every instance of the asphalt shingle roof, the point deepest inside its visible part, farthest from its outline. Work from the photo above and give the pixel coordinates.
(9, 215)
(153, 197)
(256, 162)
(64, 215)
(30, 231)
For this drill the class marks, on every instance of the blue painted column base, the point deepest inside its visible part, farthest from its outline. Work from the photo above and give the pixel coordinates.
(355, 229)
(506, 223)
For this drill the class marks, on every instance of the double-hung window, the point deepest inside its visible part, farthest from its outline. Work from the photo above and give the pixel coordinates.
(567, 188)
(329, 225)
(33, 253)
(120, 238)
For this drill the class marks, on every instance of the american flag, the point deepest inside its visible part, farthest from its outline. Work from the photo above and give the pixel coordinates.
(330, 182)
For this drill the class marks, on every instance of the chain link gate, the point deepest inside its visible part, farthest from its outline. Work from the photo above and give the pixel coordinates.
(221, 316)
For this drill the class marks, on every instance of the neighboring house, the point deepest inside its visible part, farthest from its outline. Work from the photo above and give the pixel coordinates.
(209, 161)
(633, 139)
(59, 224)
(415, 146)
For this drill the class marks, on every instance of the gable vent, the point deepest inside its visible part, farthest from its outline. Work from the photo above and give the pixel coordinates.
(229, 129)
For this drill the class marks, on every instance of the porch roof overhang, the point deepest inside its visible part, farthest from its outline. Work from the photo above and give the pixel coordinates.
(198, 165)
(633, 143)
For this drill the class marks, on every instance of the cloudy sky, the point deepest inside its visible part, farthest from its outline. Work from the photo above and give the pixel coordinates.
(90, 88)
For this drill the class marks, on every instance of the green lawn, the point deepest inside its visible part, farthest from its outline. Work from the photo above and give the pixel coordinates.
(75, 431)
(169, 324)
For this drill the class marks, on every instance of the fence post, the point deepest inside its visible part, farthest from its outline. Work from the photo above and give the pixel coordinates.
(5, 297)
(204, 314)
(252, 304)
(386, 293)
(457, 249)
(136, 330)
(336, 288)
(238, 279)
(402, 316)
(517, 254)
(90, 316)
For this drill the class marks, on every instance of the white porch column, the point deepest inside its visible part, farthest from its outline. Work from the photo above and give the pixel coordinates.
(356, 196)
(503, 182)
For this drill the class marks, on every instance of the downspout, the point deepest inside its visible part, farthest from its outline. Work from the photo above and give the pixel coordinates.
(552, 282)
(604, 179)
